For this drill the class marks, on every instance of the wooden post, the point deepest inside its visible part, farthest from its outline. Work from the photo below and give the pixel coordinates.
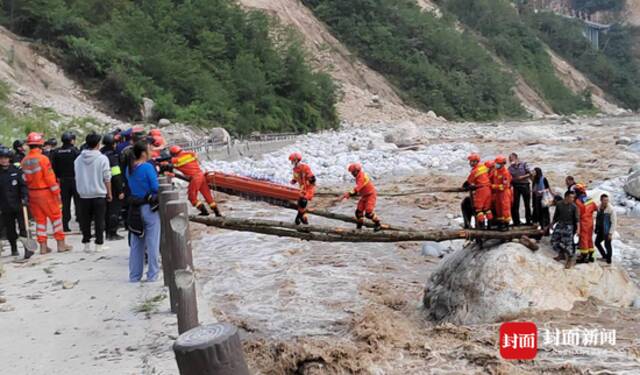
(178, 239)
(165, 250)
(213, 349)
(162, 187)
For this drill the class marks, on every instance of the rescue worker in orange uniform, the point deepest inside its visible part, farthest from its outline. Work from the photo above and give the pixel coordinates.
(368, 196)
(303, 176)
(479, 184)
(586, 208)
(491, 165)
(187, 163)
(44, 194)
(157, 142)
(501, 188)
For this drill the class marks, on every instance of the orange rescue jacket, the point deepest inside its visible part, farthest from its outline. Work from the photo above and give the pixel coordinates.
(364, 185)
(187, 163)
(479, 176)
(38, 173)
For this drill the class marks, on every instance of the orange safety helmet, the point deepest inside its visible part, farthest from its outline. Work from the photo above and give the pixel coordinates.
(175, 150)
(35, 139)
(474, 157)
(157, 140)
(489, 164)
(500, 159)
(155, 133)
(582, 188)
(296, 156)
(353, 167)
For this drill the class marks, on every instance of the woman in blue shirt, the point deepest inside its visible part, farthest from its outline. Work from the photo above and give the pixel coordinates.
(144, 220)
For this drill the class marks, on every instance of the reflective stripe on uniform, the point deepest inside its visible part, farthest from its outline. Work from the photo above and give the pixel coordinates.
(184, 160)
(115, 171)
(30, 161)
(28, 170)
(54, 188)
(481, 170)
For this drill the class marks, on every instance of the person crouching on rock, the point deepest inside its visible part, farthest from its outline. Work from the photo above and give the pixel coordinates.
(368, 196)
(187, 163)
(303, 176)
(501, 187)
(566, 219)
(479, 184)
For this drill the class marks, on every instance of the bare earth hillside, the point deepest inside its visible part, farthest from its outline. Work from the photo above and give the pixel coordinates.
(37, 82)
(358, 83)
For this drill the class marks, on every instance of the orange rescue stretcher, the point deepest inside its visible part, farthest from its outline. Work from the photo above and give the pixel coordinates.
(253, 189)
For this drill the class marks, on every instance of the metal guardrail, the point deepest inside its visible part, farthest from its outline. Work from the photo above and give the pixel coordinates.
(208, 146)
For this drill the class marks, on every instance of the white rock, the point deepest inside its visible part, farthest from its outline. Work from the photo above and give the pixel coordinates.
(632, 186)
(220, 135)
(634, 169)
(478, 286)
(164, 122)
(403, 134)
(148, 106)
(634, 147)
(432, 249)
(636, 303)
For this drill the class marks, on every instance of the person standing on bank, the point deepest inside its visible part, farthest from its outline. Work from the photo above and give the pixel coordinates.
(606, 221)
(62, 160)
(13, 196)
(94, 189)
(542, 199)
(143, 220)
(521, 188)
(112, 216)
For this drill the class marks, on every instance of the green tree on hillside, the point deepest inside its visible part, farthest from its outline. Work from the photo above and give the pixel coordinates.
(202, 61)
(499, 23)
(613, 68)
(428, 60)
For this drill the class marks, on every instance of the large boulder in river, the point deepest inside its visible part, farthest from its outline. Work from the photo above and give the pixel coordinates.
(632, 186)
(403, 134)
(220, 135)
(479, 286)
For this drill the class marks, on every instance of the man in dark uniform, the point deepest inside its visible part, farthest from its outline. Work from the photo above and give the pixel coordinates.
(18, 152)
(49, 147)
(62, 161)
(13, 194)
(112, 218)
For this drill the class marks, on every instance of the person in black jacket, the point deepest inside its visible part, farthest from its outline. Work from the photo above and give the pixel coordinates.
(18, 152)
(62, 161)
(112, 218)
(13, 194)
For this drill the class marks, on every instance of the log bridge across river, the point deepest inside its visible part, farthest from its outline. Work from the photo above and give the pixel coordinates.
(286, 196)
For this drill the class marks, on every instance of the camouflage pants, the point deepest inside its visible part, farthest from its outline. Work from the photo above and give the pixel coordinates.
(562, 239)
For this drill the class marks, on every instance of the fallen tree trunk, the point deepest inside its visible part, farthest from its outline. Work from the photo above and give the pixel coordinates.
(332, 234)
(444, 189)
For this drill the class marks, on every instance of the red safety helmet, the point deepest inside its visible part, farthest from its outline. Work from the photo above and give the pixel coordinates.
(474, 157)
(175, 150)
(155, 133)
(489, 164)
(157, 140)
(296, 156)
(501, 159)
(353, 167)
(35, 139)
